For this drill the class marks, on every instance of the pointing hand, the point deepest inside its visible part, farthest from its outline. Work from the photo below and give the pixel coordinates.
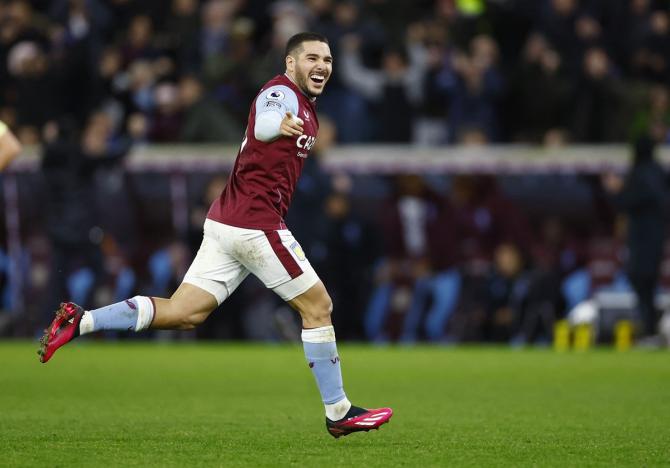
(291, 125)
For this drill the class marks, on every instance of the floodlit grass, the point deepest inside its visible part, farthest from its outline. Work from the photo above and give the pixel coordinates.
(145, 404)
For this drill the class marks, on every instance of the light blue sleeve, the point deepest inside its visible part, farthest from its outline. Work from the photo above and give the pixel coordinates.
(271, 106)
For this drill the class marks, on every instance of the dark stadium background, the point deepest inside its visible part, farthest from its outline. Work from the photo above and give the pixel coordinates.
(492, 120)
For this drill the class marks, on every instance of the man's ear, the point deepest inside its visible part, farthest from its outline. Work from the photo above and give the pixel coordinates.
(290, 63)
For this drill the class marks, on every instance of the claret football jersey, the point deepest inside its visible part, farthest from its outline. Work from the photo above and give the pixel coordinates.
(264, 176)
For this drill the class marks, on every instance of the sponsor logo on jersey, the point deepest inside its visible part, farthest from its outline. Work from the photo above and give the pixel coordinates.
(297, 250)
(305, 142)
(272, 104)
(275, 95)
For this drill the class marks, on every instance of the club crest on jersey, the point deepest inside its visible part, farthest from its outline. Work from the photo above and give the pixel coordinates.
(275, 95)
(297, 250)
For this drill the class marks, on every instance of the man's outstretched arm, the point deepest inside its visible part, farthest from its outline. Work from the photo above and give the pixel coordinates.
(276, 114)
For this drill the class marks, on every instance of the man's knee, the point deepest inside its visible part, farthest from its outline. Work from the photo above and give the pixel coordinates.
(320, 310)
(314, 305)
(191, 306)
(184, 317)
(192, 320)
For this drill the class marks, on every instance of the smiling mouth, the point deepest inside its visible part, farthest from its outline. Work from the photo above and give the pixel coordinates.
(317, 79)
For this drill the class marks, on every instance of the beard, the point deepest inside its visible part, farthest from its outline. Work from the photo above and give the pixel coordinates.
(303, 81)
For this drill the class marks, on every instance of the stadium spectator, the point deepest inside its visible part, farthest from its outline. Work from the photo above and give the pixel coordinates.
(181, 32)
(634, 22)
(418, 258)
(557, 22)
(394, 91)
(486, 219)
(36, 84)
(463, 19)
(473, 86)
(429, 127)
(216, 19)
(204, 119)
(599, 101)
(105, 77)
(343, 104)
(166, 120)
(77, 38)
(655, 55)
(643, 196)
(437, 289)
(139, 90)
(346, 20)
(139, 43)
(589, 33)
(228, 77)
(393, 16)
(554, 255)
(346, 252)
(654, 118)
(22, 23)
(505, 293)
(540, 74)
(69, 163)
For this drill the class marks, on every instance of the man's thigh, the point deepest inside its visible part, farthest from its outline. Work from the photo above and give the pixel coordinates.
(274, 257)
(214, 268)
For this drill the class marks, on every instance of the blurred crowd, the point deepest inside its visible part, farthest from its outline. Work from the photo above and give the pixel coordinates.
(425, 71)
(406, 258)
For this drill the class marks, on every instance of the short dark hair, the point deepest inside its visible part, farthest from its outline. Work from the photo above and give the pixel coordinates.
(295, 41)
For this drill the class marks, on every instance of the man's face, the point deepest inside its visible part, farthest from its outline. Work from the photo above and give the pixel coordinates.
(310, 66)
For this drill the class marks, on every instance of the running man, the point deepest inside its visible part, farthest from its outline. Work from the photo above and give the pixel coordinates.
(245, 233)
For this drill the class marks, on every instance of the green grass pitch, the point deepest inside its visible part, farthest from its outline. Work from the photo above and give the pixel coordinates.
(146, 404)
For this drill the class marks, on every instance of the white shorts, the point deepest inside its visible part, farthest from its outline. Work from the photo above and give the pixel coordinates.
(228, 254)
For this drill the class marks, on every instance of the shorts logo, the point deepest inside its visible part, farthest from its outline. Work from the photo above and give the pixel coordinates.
(297, 250)
(275, 95)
